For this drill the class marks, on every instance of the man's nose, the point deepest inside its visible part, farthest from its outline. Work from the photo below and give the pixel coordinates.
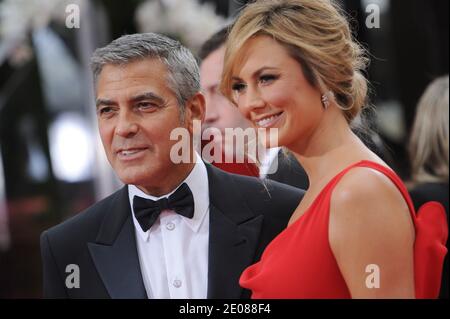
(126, 124)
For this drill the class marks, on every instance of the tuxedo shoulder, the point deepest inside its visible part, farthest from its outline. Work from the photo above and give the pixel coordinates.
(273, 200)
(83, 226)
(250, 184)
(267, 193)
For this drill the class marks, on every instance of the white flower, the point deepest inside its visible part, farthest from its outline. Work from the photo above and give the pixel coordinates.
(19, 17)
(188, 20)
(150, 17)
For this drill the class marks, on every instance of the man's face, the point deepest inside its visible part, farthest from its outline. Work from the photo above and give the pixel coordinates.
(136, 112)
(220, 113)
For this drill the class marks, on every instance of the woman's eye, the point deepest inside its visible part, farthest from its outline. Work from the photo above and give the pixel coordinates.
(267, 78)
(238, 87)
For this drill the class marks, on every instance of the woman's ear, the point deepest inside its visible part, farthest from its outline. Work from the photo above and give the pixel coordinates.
(195, 110)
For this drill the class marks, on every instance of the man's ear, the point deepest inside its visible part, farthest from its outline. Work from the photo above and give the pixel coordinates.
(195, 110)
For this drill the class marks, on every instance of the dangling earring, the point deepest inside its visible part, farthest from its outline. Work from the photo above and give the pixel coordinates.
(326, 100)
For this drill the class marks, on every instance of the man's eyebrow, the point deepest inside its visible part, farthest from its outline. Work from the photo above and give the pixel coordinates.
(134, 99)
(212, 88)
(101, 101)
(148, 96)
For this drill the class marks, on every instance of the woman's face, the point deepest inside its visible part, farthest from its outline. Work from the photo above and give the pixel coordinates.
(271, 90)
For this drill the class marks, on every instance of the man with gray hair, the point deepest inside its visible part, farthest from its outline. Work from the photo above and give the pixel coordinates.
(175, 230)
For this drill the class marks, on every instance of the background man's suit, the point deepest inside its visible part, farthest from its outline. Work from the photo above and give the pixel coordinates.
(289, 171)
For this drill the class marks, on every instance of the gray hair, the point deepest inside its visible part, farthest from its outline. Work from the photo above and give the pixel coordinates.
(183, 72)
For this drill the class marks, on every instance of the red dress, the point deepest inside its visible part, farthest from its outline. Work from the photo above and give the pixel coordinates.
(299, 262)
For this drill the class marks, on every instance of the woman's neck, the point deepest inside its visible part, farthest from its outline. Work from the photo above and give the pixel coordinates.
(331, 146)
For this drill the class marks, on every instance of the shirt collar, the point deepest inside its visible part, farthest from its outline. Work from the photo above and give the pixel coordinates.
(197, 180)
(267, 161)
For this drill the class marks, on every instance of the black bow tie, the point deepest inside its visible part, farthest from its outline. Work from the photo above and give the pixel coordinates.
(147, 210)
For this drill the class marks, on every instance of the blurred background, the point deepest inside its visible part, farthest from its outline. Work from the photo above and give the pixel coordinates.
(52, 164)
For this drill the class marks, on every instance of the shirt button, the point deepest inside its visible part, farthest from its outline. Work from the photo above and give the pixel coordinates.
(170, 226)
(177, 283)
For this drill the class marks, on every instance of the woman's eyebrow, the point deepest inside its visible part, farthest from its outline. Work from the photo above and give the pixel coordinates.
(257, 73)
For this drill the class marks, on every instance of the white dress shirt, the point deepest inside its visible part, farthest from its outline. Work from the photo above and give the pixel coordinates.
(173, 253)
(267, 161)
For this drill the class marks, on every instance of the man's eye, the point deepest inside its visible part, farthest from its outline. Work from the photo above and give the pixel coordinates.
(105, 110)
(216, 91)
(146, 105)
(238, 87)
(264, 79)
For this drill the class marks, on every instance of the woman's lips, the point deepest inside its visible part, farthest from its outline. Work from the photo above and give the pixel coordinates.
(268, 121)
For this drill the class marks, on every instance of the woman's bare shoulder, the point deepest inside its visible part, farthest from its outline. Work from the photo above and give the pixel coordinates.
(370, 223)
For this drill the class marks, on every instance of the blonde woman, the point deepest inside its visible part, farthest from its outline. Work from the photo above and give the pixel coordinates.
(428, 150)
(293, 65)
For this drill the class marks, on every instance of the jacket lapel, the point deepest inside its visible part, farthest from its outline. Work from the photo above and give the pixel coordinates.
(233, 236)
(233, 240)
(288, 171)
(115, 254)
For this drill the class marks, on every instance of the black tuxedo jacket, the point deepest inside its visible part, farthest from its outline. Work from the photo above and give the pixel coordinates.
(290, 172)
(245, 215)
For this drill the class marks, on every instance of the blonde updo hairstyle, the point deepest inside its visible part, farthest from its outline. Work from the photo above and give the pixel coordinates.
(317, 35)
